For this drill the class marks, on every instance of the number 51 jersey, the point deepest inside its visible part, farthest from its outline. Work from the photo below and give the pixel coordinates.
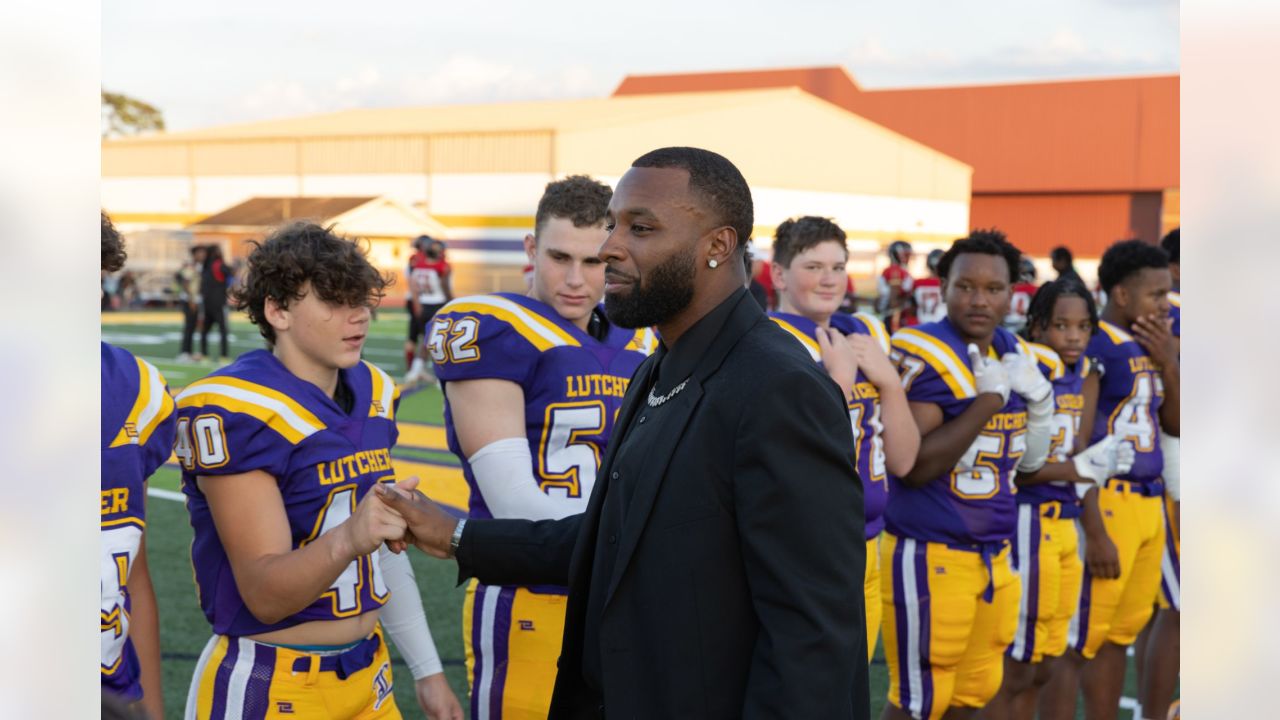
(573, 383)
(257, 415)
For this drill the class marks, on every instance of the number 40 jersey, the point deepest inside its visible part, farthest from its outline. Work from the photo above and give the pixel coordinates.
(573, 382)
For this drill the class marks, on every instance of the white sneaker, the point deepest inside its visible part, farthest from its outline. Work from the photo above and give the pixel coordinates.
(184, 358)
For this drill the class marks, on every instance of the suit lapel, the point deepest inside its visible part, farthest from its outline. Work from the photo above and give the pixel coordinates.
(633, 400)
(675, 416)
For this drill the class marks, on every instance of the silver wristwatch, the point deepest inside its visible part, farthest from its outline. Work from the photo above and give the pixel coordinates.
(457, 537)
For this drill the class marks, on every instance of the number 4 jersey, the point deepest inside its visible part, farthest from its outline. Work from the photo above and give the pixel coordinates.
(137, 437)
(573, 382)
(973, 503)
(256, 415)
(1129, 399)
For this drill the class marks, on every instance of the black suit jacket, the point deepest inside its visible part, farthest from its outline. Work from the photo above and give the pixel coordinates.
(737, 588)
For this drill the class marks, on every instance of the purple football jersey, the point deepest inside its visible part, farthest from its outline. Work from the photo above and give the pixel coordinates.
(573, 383)
(1129, 399)
(973, 503)
(1175, 312)
(1068, 398)
(256, 415)
(864, 408)
(137, 437)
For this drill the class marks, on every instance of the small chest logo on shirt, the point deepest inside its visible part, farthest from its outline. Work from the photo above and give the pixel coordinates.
(284, 707)
(939, 570)
(131, 430)
(526, 625)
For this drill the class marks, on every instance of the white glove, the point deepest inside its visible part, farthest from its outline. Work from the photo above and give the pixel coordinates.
(1171, 447)
(1025, 377)
(1105, 459)
(988, 374)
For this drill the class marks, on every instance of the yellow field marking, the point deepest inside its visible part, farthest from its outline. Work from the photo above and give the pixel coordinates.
(423, 436)
(444, 485)
(142, 318)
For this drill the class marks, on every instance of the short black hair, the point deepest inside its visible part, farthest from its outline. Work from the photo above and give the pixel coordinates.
(1169, 243)
(1062, 253)
(303, 252)
(1127, 258)
(716, 180)
(794, 236)
(578, 198)
(984, 242)
(1040, 312)
(113, 253)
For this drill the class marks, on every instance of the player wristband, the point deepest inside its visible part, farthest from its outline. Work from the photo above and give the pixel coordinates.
(456, 540)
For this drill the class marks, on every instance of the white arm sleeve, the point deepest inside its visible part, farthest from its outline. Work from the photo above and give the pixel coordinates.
(404, 618)
(1172, 449)
(504, 472)
(1039, 434)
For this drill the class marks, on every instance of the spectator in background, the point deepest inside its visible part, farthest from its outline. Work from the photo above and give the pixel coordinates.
(894, 287)
(753, 282)
(1062, 264)
(1170, 243)
(213, 301)
(188, 279)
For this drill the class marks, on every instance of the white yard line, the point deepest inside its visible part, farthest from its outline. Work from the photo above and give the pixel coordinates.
(166, 494)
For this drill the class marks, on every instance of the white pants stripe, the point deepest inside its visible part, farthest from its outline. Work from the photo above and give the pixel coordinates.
(194, 692)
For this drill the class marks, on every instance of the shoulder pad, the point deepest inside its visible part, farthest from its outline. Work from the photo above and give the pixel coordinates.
(945, 374)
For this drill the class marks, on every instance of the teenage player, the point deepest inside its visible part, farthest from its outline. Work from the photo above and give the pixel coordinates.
(1136, 357)
(532, 386)
(431, 286)
(809, 258)
(893, 287)
(137, 435)
(1046, 546)
(926, 294)
(279, 452)
(1158, 662)
(984, 410)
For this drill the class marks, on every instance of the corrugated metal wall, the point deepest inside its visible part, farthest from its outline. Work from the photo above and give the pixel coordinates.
(499, 152)
(1087, 222)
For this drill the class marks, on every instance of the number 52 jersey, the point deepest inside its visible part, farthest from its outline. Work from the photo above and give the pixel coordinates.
(257, 415)
(573, 382)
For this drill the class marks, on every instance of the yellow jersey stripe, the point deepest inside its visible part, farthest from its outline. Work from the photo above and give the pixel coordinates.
(124, 437)
(809, 343)
(151, 407)
(383, 393)
(1046, 355)
(644, 341)
(877, 329)
(540, 332)
(954, 371)
(125, 521)
(1175, 299)
(274, 409)
(1117, 335)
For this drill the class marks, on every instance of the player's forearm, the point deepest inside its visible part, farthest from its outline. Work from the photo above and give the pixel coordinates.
(277, 586)
(901, 436)
(144, 631)
(1052, 471)
(1091, 515)
(943, 447)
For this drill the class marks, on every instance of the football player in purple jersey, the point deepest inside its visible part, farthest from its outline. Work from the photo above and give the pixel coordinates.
(137, 436)
(532, 386)
(984, 411)
(279, 452)
(809, 258)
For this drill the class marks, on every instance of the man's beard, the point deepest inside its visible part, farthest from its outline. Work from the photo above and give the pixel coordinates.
(667, 290)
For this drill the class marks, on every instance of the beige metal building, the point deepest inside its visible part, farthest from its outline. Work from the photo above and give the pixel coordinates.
(480, 169)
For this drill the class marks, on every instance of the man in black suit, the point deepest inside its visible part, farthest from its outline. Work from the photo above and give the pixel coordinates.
(718, 569)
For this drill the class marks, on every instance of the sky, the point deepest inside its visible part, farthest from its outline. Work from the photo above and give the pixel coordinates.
(215, 63)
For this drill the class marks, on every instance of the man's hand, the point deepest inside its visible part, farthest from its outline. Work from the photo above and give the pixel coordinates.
(872, 361)
(436, 698)
(1025, 376)
(428, 526)
(838, 358)
(1100, 556)
(1104, 460)
(1155, 335)
(988, 374)
(373, 523)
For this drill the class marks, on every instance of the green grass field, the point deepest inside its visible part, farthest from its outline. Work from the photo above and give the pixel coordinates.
(184, 631)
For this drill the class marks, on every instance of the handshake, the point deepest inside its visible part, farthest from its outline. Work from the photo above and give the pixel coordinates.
(400, 516)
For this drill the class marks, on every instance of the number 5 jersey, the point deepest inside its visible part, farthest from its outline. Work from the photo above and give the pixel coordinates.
(257, 415)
